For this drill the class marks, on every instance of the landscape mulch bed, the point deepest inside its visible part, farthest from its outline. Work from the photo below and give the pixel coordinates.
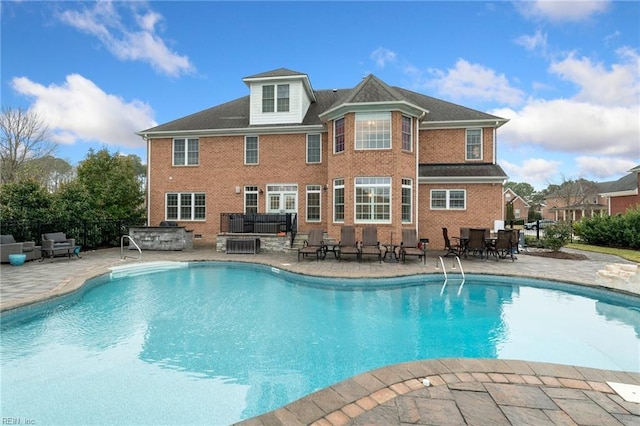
(557, 254)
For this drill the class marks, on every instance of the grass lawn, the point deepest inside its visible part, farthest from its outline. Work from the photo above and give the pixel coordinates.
(628, 254)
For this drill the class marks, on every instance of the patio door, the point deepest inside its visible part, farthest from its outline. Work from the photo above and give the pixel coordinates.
(282, 198)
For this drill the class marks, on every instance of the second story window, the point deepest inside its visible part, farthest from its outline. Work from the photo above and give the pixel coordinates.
(268, 97)
(186, 152)
(407, 137)
(373, 130)
(269, 103)
(283, 98)
(251, 150)
(474, 144)
(338, 135)
(314, 153)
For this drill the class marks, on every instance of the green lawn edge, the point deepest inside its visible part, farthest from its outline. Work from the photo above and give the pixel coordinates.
(627, 254)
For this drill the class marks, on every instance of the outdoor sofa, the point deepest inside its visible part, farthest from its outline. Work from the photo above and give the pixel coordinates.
(8, 245)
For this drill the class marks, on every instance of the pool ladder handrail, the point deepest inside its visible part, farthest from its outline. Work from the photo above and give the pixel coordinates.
(446, 277)
(131, 240)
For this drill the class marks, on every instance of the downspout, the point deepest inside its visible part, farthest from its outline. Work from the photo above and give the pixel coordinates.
(148, 179)
(417, 184)
(495, 143)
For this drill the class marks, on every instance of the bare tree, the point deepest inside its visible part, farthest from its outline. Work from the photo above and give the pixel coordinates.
(25, 137)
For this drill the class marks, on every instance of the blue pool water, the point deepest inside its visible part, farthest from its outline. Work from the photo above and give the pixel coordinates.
(217, 342)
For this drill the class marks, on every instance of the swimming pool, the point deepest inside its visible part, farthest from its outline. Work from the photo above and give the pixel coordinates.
(220, 342)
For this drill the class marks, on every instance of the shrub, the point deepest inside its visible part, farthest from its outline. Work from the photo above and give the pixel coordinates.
(622, 230)
(557, 235)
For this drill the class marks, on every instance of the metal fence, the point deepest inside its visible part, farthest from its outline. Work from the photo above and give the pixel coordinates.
(90, 234)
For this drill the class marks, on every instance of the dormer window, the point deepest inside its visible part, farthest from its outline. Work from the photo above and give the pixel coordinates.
(269, 101)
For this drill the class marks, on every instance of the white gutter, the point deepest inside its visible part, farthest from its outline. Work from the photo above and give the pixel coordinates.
(237, 131)
(148, 180)
(417, 184)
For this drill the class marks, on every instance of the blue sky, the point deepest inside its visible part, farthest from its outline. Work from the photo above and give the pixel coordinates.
(567, 74)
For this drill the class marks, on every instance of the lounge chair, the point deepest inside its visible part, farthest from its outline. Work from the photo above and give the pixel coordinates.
(370, 245)
(410, 246)
(348, 243)
(315, 244)
(455, 249)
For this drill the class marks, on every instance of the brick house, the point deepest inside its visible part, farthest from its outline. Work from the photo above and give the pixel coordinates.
(373, 154)
(623, 193)
(519, 205)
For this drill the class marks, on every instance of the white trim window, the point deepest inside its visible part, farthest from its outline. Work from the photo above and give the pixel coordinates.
(251, 145)
(338, 135)
(314, 200)
(448, 199)
(269, 101)
(373, 199)
(373, 130)
(185, 206)
(314, 148)
(250, 199)
(268, 98)
(473, 144)
(283, 98)
(407, 133)
(338, 200)
(407, 200)
(186, 152)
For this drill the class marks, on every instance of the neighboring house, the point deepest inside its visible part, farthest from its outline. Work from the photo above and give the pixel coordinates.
(622, 194)
(370, 155)
(590, 206)
(519, 205)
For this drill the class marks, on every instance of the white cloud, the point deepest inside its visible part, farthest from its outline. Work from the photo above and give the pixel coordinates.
(538, 172)
(381, 56)
(137, 44)
(538, 41)
(618, 86)
(561, 11)
(475, 81)
(571, 126)
(80, 110)
(599, 168)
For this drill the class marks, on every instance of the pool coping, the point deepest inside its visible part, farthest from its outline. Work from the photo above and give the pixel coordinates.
(388, 386)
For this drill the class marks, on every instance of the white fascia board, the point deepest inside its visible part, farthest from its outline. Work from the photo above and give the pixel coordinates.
(264, 130)
(463, 124)
(461, 179)
(620, 193)
(403, 106)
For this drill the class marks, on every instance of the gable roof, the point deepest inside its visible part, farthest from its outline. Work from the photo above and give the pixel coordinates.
(233, 116)
(624, 186)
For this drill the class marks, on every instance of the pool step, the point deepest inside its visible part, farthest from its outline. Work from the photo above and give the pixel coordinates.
(145, 268)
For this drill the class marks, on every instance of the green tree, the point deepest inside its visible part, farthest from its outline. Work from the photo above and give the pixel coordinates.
(523, 189)
(51, 172)
(72, 202)
(112, 184)
(26, 200)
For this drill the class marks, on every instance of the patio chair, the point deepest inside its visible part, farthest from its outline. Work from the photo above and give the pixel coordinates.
(314, 244)
(503, 246)
(348, 244)
(410, 246)
(477, 243)
(455, 249)
(370, 245)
